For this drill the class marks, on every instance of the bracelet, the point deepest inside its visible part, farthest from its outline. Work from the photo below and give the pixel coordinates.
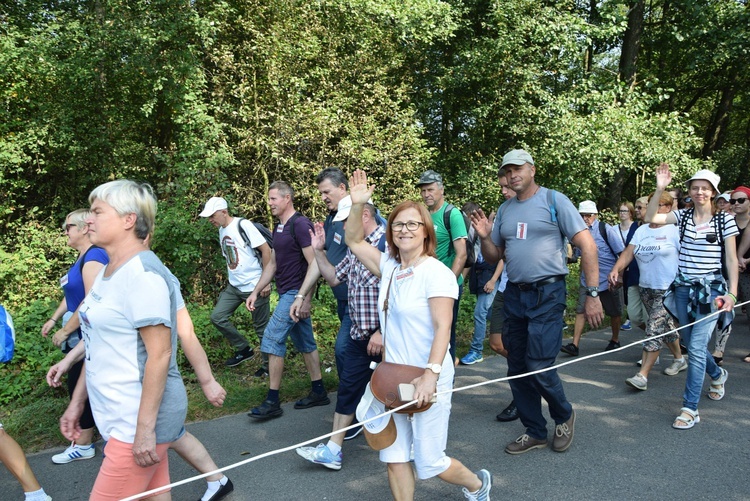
(734, 298)
(299, 296)
(53, 319)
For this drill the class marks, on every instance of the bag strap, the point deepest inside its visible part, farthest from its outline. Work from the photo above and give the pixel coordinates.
(385, 308)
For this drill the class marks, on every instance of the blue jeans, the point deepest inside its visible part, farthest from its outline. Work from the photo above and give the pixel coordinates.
(281, 326)
(533, 337)
(696, 338)
(482, 312)
(344, 334)
(452, 347)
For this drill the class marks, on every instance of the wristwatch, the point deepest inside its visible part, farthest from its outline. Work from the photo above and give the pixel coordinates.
(436, 368)
(592, 291)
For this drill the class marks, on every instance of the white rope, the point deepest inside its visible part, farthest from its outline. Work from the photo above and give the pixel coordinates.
(453, 390)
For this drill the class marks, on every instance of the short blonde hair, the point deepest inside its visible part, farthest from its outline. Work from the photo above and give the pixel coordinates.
(78, 217)
(128, 197)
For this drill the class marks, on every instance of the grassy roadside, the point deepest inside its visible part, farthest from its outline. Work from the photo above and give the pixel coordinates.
(32, 417)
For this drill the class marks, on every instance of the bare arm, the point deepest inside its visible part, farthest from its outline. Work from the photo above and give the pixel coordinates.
(266, 276)
(730, 253)
(441, 311)
(459, 260)
(90, 270)
(482, 225)
(70, 425)
(355, 231)
(63, 366)
(311, 276)
(590, 264)
(157, 340)
(615, 276)
(265, 258)
(490, 285)
(663, 178)
(196, 355)
(56, 316)
(742, 250)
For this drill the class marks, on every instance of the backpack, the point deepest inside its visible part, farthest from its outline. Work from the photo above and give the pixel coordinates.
(471, 256)
(720, 237)
(263, 231)
(7, 336)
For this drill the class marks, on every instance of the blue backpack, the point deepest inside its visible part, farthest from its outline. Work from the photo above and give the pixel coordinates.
(7, 336)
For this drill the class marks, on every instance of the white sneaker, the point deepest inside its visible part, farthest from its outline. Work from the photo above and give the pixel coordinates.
(75, 453)
(640, 362)
(676, 367)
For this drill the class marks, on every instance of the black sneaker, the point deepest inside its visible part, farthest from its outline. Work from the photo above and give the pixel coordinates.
(312, 400)
(612, 345)
(239, 357)
(570, 349)
(267, 410)
(261, 373)
(223, 491)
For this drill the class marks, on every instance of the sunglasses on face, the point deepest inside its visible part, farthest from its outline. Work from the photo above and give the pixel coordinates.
(67, 227)
(737, 201)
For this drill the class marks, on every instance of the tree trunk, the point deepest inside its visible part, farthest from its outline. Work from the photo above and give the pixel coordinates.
(717, 128)
(631, 43)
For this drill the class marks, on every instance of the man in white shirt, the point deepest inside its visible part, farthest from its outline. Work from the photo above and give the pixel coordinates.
(244, 269)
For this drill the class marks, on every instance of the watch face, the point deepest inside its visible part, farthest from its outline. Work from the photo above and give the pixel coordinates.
(594, 293)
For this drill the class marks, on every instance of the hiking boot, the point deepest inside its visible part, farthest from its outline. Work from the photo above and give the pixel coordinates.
(239, 357)
(472, 358)
(312, 400)
(321, 455)
(564, 434)
(483, 494)
(525, 443)
(612, 345)
(570, 349)
(267, 410)
(75, 453)
(638, 382)
(676, 367)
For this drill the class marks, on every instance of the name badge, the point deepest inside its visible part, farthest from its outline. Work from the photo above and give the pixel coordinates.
(521, 231)
(703, 227)
(404, 274)
(337, 238)
(280, 228)
(64, 280)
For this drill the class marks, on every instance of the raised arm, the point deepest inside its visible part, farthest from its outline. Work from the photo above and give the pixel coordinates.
(483, 226)
(355, 231)
(663, 178)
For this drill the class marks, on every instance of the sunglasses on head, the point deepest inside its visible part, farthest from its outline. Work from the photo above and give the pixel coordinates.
(733, 201)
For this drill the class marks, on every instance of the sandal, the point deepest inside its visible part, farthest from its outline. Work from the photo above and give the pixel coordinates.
(685, 423)
(716, 391)
(719, 360)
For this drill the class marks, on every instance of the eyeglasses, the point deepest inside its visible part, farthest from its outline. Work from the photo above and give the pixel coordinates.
(585, 216)
(67, 227)
(701, 188)
(639, 207)
(733, 201)
(398, 226)
(623, 211)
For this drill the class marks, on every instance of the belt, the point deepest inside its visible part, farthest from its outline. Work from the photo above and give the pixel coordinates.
(524, 286)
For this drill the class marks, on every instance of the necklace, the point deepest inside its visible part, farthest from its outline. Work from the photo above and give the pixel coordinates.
(404, 266)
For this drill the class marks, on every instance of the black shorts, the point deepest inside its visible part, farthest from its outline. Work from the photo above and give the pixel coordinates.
(611, 301)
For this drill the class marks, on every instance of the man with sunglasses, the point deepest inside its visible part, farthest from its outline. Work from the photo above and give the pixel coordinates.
(609, 246)
(528, 230)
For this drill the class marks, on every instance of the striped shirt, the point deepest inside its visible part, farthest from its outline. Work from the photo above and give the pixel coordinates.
(699, 256)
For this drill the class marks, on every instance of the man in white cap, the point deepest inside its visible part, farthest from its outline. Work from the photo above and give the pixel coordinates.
(609, 245)
(244, 270)
(365, 341)
(528, 232)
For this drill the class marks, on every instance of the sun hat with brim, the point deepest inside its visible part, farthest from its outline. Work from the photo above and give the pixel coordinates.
(705, 175)
(587, 207)
(213, 204)
(381, 432)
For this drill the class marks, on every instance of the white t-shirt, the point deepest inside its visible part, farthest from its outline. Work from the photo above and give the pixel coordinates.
(408, 329)
(242, 264)
(657, 253)
(140, 293)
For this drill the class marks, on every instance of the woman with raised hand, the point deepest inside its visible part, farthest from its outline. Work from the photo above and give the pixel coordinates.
(655, 248)
(416, 331)
(129, 327)
(76, 283)
(699, 289)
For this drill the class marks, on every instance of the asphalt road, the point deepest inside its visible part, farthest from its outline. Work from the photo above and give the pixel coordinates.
(624, 446)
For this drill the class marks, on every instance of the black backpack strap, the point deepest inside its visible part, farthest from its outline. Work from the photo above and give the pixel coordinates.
(688, 213)
(243, 234)
(447, 219)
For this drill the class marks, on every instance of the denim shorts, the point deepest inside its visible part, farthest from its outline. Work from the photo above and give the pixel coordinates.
(281, 326)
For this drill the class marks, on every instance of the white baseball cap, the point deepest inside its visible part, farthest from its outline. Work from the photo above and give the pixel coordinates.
(381, 432)
(213, 204)
(587, 207)
(345, 207)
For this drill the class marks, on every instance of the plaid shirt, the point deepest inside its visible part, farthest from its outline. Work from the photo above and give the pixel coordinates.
(363, 290)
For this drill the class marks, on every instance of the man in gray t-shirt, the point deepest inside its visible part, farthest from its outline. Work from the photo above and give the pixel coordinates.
(528, 233)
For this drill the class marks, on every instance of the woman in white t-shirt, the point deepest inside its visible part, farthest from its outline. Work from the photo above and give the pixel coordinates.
(416, 331)
(129, 327)
(699, 289)
(655, 248)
